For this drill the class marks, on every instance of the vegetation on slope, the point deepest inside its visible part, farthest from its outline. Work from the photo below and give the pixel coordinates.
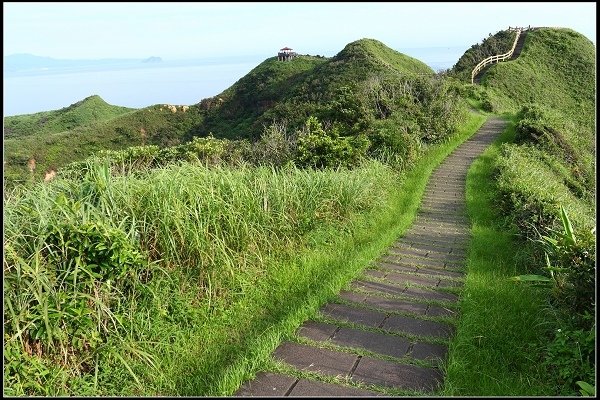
(309, 86)
(113, 256)
(89, 110)
(367, 90)
(53, 148)
(555, 69)
(498, 43)
(235, 112)
(552, 160)
(549, 166)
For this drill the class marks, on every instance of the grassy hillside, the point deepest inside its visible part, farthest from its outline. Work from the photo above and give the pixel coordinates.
(235, 112)
(498, 43)
(552, 87)
(89, 110)
(367, 89)
(305, 86)
(54, 148)
(556, 68)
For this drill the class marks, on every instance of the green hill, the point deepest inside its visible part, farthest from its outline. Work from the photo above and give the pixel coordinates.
(372, 53)
(236, 111)
(55, 147)
(305, 86)
(367, 88)
(498, 43)
(549, 166)
(552, 86)
(556, 68)
(550, 92)
(89, 110)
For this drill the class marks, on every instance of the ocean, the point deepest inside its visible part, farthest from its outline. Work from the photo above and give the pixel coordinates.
(141, 85)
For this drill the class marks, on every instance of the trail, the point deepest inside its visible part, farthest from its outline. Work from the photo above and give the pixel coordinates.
(393, 327)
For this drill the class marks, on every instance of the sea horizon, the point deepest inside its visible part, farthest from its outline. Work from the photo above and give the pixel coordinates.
(138, 85)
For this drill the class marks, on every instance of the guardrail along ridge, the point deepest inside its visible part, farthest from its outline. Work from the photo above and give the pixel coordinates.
(501, 57)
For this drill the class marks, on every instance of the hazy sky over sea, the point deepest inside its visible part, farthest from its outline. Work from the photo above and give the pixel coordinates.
(191, 30)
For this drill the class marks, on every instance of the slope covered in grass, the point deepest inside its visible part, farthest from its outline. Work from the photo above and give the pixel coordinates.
(305, 86)
(556, 68)
(234, 112)
(545, 187)
(552, 86)
(89, 110)
(498, 43)
(54, 148)
(366, 90)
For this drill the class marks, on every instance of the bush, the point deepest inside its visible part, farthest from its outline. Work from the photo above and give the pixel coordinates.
(487, 105)
(529, 130)
(570, 260)
(318, 148)
(394, 141)
(275, 146)
(571, 358)
(67, 293)
(573, 258)
(86, 253)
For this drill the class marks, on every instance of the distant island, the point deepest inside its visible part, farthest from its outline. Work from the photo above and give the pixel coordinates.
(152, 60)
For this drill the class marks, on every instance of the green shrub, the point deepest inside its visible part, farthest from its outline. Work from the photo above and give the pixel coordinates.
(571, 358)
(349, 110)
(529, 130)
(487, 105)
(394, 141)
(570, 262)
(573, 258)
(586, 389)
(275, 146)
(318, 148)
(72, 274)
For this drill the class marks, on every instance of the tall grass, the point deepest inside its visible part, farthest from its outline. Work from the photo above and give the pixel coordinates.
(182, 280)
(535, 192)
(88, 262)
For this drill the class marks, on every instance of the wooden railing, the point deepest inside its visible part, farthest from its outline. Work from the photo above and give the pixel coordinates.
(499, 57)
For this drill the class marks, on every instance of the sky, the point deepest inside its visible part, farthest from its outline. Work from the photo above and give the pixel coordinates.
(201, 30)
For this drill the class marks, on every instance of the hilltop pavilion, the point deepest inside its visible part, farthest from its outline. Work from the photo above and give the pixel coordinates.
(286, 54)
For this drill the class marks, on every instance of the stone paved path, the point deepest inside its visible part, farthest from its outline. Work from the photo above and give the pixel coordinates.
(392, 328)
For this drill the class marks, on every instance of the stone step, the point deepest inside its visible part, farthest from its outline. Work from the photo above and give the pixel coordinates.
(363, 369)
(375, 342)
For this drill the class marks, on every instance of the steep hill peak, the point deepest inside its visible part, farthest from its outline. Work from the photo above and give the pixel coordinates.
(90, 110)
(93, 100)
(375, 52)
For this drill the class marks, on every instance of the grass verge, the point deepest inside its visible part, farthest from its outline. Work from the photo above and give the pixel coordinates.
(497, 348)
